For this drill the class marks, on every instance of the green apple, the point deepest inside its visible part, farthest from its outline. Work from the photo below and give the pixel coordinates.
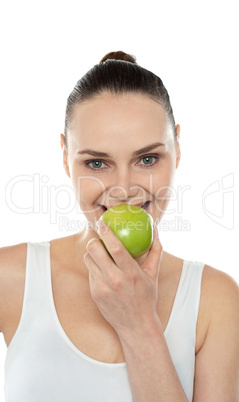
(132, 225)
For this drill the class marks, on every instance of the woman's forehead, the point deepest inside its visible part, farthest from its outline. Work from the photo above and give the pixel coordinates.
(113, 115)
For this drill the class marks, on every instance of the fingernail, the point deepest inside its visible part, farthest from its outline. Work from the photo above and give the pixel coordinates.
(100, 225)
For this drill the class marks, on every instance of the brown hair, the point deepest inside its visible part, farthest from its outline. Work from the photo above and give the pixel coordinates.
(118, 56)
(118, 73)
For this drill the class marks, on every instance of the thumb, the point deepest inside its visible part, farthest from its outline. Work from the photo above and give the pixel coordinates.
(151, 264)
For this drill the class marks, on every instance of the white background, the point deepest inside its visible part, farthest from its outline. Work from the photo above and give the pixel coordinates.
(193, 46)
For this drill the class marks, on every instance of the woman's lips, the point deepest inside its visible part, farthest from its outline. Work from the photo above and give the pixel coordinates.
(146, 206)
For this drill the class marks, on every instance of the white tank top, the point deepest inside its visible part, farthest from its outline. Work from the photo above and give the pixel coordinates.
(43, 365)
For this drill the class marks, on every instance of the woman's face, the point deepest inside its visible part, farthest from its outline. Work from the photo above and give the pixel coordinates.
(106, 159)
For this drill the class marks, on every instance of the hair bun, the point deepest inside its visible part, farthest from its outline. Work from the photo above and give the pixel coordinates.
(119, 56)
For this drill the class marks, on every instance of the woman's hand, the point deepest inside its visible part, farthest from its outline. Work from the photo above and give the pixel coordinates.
(125, 292)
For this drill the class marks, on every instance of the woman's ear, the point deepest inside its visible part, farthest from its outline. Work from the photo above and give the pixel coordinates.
(65, 155)
(178, 150)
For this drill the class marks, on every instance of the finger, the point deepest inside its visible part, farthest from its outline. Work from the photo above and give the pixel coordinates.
(95, 277)
(100, 256)
(115, 247)
(152, 262)
(94, 270)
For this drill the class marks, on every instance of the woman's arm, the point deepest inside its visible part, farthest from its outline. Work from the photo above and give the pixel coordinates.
(217, 362)
(150, 368)
(126, 295)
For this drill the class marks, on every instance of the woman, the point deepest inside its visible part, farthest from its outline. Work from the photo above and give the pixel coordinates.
(81, 326)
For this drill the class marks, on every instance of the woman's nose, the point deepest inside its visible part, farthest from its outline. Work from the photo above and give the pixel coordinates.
(124, 188)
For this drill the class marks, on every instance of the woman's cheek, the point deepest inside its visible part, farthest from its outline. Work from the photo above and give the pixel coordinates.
(163, 190)
(88, 190)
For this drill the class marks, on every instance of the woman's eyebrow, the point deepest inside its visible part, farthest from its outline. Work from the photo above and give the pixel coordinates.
(135, 153)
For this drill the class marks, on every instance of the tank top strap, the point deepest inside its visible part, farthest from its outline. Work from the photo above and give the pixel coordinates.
(36, 295)
(187, 299)
(36, 290)
(190, 283)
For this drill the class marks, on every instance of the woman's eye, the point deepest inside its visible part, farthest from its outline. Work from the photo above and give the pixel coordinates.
(149, 160)
(96, 164)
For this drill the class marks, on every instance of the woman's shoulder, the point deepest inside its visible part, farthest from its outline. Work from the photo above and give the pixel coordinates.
(12, 256)
(12, 276)
(220, 291)
(215, 281)
(12, 260)
(219, 304)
